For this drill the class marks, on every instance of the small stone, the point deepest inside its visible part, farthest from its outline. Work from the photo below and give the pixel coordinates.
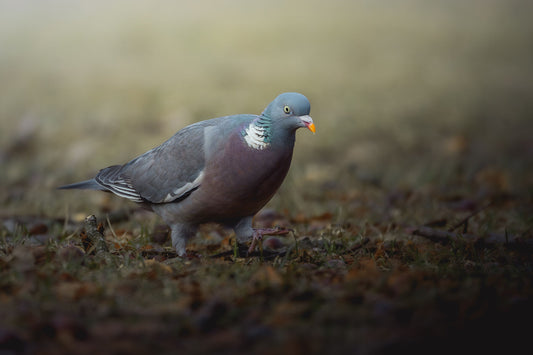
(273, 243)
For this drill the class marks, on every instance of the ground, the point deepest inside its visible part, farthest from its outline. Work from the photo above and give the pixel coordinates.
(410, 209)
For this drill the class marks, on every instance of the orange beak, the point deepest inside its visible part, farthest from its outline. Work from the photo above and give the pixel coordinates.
(308, 122)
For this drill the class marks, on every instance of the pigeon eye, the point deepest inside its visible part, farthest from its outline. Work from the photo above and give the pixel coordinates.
(286, 109)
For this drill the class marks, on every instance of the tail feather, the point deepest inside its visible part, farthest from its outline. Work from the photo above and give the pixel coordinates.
(87, 185)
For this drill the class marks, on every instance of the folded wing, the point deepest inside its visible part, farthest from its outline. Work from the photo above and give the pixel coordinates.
(168, 173)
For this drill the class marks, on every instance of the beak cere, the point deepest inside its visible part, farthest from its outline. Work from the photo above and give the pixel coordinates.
(308, 122)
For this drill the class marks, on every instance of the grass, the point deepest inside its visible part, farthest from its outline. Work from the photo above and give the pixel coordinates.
(322, 296)
(423, 114)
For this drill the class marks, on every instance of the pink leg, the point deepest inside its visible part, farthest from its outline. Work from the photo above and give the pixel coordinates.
(257, 237)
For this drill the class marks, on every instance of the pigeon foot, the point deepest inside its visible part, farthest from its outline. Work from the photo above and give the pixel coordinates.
(257, 237)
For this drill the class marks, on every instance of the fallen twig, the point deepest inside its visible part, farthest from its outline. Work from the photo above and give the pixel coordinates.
(489, 239)
(465, 220)
(440, 235)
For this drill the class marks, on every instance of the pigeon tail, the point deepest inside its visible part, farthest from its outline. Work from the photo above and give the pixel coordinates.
(86, 185)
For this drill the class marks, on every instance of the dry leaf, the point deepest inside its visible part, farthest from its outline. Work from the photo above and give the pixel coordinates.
(75, 290)
(156, 265)
(493, 179)
(267, 274)
(23, 258)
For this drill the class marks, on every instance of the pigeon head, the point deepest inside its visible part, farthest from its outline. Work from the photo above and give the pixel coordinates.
(291, 109)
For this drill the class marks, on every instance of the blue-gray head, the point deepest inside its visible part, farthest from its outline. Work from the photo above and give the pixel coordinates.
(292, 108)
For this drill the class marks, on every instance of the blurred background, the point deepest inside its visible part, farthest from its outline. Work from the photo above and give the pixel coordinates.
(404, 95)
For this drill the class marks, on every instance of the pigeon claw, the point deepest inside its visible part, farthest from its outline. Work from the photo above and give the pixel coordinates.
(257, 236)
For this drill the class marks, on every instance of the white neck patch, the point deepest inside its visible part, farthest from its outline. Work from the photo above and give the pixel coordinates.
(255, 137)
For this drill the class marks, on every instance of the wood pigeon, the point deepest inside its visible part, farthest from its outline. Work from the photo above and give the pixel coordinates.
(222, 170)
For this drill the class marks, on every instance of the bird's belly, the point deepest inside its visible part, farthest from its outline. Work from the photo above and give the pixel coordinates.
(240, 187)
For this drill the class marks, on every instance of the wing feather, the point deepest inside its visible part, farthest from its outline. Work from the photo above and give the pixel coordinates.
(173, 170)
(112, 179)
(170, 171)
